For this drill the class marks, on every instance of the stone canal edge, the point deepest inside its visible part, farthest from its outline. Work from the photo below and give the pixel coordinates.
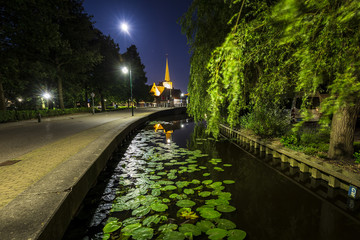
(335, 176)
(44, 209)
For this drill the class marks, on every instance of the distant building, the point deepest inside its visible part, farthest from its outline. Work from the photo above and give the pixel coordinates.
(164, 93)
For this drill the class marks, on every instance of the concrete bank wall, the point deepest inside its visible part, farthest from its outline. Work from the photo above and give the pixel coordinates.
(333, 175)
(45, 209)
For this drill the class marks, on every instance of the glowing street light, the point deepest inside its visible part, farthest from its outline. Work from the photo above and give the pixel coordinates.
(47, 96)
(126, 70)
(125, 27)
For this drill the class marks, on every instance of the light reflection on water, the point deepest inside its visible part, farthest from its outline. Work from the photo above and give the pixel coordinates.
(269, 206)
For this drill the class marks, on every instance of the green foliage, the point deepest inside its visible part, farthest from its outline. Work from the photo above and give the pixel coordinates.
(266, 122)
(357, 157)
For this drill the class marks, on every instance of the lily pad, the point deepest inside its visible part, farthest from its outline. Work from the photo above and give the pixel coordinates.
(236, 234)
(130, 221)
(143, 233)
(215, 185)
(225, 224)
(209, 213)
(206, 174)
(218, 169)
(169, 188)
(185, 203)
(228, 181)
(182, 184)
(141, 211)
(128, 230)
(151, 219)
(205, 225)
(112, 226)
(174, 235)
(166, 200)
(207, 182)
(158, 207)
(225, 208)
(204, 194)
(195, 181)
(227, 165)
(174, 195)
(168, 227)
(188, 191)
(156, 192)
(216, 233)
(187, 227)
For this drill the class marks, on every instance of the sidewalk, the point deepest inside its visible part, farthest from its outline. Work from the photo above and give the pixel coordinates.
(42, 189)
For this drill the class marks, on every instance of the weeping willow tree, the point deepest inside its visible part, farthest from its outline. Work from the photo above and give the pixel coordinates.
(278, 48)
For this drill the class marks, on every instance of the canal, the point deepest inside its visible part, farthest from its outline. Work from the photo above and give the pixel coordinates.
(171, 181)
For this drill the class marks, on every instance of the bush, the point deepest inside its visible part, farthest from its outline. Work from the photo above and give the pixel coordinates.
(267, 122)
(357, 157)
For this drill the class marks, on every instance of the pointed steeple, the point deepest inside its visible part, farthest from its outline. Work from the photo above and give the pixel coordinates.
(167, 74)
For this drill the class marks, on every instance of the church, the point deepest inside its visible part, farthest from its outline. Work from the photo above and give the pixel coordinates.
(164, 93)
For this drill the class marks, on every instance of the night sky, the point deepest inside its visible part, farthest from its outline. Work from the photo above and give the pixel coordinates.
(153, 29)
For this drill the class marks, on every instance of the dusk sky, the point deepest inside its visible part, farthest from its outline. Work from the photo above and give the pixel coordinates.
(153, 29)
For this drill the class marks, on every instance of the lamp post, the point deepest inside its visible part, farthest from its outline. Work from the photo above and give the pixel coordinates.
(126, 70)
(47, 96)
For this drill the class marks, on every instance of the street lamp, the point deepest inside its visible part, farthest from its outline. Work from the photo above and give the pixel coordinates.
(47, 96)
(126, 70)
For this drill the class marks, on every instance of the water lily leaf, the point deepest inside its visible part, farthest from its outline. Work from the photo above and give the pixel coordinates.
(112, 226)
(156, 192)
(166, 200)
(141, 211)
(225, 224)
(151, 219)
(227, 165)
(173, 235)
(154, 177)
(216, 233)
(206, 174)
(169, 188)
(205, 225)
(187, 227)
(174, 195)
(159, 207)
(204, 194)
(155, 185)
(195, 181)
(182, 184)
(207, 182)
(218, 169)
(225, 208)
(224, 195)
(209, 213)
(185, 203)
(130, 221)
(143, 233)
(168, 227)
(236, 234)
(228, 181)
(198, 188)
(202, 167)
(161, 173)
(188, 191)
(216, 202)
(215, 185)
(128, 230)
(165, 182)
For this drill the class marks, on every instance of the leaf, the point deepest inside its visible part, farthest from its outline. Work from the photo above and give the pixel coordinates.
(130, 221)
(225, 224)
(216, 233)
(204, 194)
(225, 208)
(156, 192)
(207, 182)
(187, 227)
(151, 219)
(218, 169)
(195, 181)
(206, 174)
(174, 195)
(143, 233)
(141, 211)
(185, 203)
(188, 191)
(236, 234)
(159, 207)
(215, 185)
(228, 181)
(182, 184)
(166, 200)
(209, 213)
(205, 225)
(128, 230)
(169, 188)
(173, 235)
(112, 226)
(168, 227)
(227, 165)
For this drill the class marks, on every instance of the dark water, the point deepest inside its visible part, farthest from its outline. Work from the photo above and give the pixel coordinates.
(269, 205)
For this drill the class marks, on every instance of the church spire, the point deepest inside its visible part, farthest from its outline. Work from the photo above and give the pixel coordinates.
(167, 74)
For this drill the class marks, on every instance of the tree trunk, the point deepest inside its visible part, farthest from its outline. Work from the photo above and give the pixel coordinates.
(2, 98)
(342, 133)
(60, 92)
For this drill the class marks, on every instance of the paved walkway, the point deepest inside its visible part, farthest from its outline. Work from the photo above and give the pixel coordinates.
(30, 151)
